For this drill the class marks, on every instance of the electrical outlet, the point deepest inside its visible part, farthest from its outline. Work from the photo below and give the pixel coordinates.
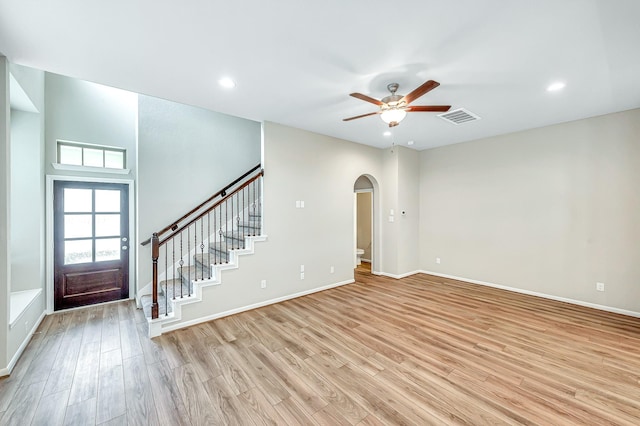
(600, 286)
(302, 275)
(438, 260)
(263, 284)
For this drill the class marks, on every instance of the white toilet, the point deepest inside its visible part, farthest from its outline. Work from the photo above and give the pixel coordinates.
(359, 253)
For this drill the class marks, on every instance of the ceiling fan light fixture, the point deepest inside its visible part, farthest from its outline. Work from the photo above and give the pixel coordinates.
(393, 115)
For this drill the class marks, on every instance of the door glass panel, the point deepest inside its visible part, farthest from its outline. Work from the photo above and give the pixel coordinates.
(114, 159)
(93, 157)
(107, 249)
(77, 200)
(70, 155)
(77, 251)
(77, 226)
(107, 200)
(107, 225)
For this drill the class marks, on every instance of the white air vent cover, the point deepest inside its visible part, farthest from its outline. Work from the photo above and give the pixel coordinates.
(459, 116)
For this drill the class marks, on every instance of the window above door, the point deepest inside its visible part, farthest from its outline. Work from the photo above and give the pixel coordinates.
(89, 157)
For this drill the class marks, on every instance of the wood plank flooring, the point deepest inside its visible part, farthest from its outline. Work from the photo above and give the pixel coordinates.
(417, 351)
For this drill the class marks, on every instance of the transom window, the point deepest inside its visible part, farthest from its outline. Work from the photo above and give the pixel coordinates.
(79, 154)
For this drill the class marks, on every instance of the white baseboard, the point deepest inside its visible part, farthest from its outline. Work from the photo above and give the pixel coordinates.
(173, 327)
(397, 277)
(6, 371)
(543, 295)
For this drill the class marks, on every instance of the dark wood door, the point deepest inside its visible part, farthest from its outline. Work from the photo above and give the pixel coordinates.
(91, 242)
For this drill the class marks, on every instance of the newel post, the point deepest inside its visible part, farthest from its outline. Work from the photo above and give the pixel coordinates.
(155, 253)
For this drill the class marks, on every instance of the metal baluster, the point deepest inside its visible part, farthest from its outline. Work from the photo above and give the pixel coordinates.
(233, 246)
(188, 259)
(202, 248)
(209, 242)
(215, 237)
(166, 283)
(226, 230)
(181, 262)
(173, 266)
(259, 201)
(237, 218)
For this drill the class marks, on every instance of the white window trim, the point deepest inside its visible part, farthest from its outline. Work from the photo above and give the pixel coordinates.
(89, 169)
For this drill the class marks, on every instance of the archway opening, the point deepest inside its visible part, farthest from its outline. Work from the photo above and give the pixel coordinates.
(364, 218)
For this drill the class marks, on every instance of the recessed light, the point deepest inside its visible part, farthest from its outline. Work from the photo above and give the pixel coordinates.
(387, 133)
(556, 86)
(410, 143)
(227, 83)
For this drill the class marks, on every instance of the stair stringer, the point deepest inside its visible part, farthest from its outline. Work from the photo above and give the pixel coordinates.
(156, 325)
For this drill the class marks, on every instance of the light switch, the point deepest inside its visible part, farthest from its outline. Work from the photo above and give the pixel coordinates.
(390, 218)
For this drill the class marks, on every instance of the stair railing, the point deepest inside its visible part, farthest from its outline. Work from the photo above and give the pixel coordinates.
(204, 237)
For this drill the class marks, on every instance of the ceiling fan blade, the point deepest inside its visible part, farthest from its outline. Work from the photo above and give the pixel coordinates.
(360, 116)
(426, 87)
(366, 98)
(429, 108)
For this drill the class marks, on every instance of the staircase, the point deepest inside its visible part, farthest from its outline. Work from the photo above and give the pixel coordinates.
(191, 253)
(205, 267)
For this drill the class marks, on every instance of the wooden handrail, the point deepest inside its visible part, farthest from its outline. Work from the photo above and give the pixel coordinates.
(188, 220)
(220, 201)
(222, 192)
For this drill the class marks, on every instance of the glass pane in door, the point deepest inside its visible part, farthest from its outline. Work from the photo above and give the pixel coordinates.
(107, 201)
(107, 225)
(107, 249)
(77, 251)
(77, 200)
(77, 226)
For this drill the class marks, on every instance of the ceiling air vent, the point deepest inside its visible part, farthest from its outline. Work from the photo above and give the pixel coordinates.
(459, 116)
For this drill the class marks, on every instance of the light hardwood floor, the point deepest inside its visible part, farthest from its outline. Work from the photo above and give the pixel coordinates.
(421, 350)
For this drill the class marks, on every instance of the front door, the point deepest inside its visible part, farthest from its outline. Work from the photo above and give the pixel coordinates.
(91, 241)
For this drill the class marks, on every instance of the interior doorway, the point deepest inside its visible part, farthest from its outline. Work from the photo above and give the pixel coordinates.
(364, 241)
(91, 241)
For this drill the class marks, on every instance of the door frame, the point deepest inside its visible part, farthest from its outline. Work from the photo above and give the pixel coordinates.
(49, 239)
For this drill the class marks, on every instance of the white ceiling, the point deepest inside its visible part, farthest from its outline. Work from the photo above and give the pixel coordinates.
(295, 61)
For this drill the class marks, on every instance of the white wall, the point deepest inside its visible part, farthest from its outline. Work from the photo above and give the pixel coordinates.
(551, 210)
(186, 154)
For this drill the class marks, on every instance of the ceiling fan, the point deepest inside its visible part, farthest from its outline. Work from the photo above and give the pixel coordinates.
(394, 108)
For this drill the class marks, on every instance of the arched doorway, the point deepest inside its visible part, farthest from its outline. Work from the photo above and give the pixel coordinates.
(364, 223)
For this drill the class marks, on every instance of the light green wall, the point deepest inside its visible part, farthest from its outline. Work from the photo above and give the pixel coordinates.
(551, 210)
(186, 154)
(85, 112)
(5, 185)
(27, 205)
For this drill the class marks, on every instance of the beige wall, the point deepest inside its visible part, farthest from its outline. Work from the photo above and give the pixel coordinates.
(363, 223)
(551, 210)
(299, 166)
